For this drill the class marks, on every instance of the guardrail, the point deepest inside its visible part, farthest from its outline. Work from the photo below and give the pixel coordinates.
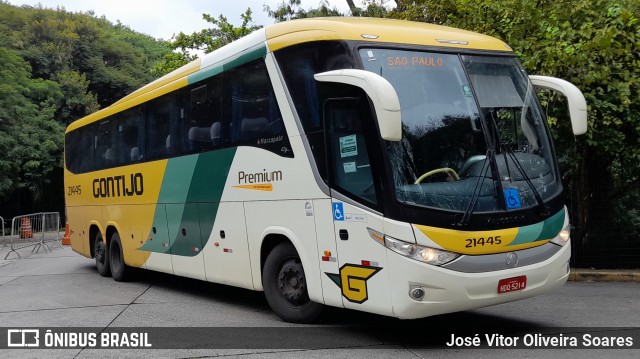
(35, 230)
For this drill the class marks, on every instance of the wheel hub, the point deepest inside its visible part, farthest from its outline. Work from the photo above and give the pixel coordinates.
(291, 283)
(99, 253)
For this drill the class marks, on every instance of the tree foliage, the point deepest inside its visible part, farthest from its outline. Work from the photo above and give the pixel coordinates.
(186, 47)
(30, 140)
(56, 67)
(292, 9)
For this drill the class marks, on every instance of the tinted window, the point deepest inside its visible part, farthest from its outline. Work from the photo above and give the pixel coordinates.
(235, 108)
(298, 65)
(160, 126)
(131, 136)
(255, 116)
(202, 124)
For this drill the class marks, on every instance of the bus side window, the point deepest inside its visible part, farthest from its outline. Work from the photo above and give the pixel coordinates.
(161, 141)
(202, 126)
(103, 152)
(132, 131)
(78, 150)
(255, 116)
(249, 102)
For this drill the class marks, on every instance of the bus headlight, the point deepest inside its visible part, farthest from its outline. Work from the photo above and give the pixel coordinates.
(563, 237)
(427, 255)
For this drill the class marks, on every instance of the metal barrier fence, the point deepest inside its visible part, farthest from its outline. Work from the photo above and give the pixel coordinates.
(3, 237)
(611, 239)
(35, 230)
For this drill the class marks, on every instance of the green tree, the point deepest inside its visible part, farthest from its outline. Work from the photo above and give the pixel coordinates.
(292, 9)
(115, 59)
(30, 140)
(56, 67)
(207, 40)
(77, 100)
(372, 8)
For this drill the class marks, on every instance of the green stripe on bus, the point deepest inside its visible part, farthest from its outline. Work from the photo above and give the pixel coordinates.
(205, 191)
(528, 234)
(174, 189)
(191, 190)
(552, 226)
(542, 231)
(228, 64)
(205, 74)
(247, 56)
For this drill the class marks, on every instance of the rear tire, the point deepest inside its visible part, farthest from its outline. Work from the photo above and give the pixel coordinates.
(119, 270)
(285, 286)
(101, 256)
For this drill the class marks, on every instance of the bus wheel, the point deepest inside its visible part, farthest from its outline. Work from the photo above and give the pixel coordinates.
(285, 286)
(119, 270)
(101, 256)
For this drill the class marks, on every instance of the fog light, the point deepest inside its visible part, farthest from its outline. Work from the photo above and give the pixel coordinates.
(416, 293)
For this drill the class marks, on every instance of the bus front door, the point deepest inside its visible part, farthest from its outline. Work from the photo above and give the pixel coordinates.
(362, 277)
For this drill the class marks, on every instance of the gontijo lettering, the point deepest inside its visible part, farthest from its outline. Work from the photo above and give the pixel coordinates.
(119, 186)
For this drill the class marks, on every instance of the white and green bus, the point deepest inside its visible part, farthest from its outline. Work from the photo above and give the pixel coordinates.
(392, 167)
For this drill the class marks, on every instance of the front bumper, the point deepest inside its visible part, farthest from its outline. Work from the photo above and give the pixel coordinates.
(449, 291)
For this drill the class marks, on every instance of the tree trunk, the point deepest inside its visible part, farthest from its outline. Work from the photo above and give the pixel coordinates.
(351, 4)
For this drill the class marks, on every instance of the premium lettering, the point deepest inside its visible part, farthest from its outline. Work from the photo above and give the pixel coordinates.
(118, 186)
(259, 177)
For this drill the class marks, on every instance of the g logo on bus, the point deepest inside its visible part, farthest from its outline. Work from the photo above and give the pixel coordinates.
(353, 281)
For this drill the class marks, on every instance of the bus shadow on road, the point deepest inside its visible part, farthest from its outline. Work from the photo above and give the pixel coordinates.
(370, 329)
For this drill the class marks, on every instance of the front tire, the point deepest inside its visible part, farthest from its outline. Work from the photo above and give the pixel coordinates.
(101, 256)
(119, 270)
(285, 286)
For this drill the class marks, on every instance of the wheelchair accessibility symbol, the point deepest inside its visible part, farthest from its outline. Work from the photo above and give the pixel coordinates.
(512, 198)
(338, 211)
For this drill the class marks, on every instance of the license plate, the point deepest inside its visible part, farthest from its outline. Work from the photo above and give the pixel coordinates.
(512, 284)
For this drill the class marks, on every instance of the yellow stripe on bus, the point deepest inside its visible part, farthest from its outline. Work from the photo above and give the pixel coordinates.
(476, 242)
(289, 33)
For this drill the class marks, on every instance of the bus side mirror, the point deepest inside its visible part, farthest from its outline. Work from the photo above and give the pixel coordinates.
(383, 95)
(577, 103)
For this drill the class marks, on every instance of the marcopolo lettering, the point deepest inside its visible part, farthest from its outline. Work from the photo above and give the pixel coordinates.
(259, 177)
(119, 186)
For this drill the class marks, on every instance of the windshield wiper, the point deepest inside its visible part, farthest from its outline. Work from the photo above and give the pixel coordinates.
(489, 158)
(506, 148)
(489, 161)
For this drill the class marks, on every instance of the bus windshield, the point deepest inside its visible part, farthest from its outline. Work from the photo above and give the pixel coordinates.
(474, 137)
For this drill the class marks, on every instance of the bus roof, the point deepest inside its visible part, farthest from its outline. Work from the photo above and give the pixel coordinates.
(289, 33)
(293, 32)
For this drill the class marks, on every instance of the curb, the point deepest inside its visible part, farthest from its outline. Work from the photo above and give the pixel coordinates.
(605, 275)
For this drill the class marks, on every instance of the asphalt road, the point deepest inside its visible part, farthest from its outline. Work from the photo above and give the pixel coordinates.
(63, 289)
